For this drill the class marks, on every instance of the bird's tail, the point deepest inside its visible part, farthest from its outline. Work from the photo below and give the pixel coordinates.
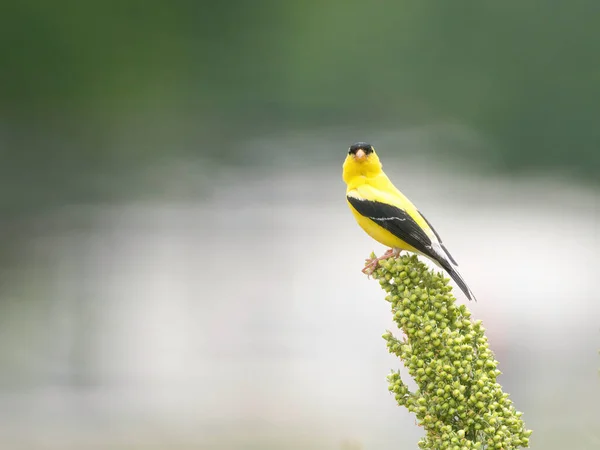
(458, 279)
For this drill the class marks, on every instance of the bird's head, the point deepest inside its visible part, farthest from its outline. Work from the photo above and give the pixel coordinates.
(361, 160)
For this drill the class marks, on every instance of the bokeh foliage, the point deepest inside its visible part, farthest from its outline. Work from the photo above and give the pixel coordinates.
(191, 74)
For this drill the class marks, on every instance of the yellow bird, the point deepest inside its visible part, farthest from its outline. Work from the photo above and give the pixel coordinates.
(388, 216)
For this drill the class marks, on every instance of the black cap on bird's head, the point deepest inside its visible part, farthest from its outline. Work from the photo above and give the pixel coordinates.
(361, 161)
(360, 150)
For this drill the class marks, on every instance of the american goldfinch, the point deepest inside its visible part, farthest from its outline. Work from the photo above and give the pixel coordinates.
(388, 216)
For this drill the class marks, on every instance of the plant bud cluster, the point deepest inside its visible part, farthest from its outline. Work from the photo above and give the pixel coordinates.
(458, 401)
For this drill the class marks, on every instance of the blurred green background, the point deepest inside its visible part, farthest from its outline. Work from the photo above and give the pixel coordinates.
(175, 249)
(183, 77)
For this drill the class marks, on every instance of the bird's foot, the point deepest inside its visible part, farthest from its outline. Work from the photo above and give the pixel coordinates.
(372, 262)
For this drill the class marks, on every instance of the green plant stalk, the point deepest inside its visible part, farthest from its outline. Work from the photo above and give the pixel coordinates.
(458, 401)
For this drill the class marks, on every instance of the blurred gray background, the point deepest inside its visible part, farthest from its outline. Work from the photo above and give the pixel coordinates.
(178, 267)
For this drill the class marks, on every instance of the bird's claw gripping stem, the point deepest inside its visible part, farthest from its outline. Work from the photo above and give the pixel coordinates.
(372, 262)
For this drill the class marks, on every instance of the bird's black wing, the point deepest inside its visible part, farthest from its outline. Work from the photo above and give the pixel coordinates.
(439, 239)
(396, 221)
(403, 226)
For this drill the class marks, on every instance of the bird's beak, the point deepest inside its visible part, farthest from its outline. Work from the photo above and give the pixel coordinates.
(360, 155)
